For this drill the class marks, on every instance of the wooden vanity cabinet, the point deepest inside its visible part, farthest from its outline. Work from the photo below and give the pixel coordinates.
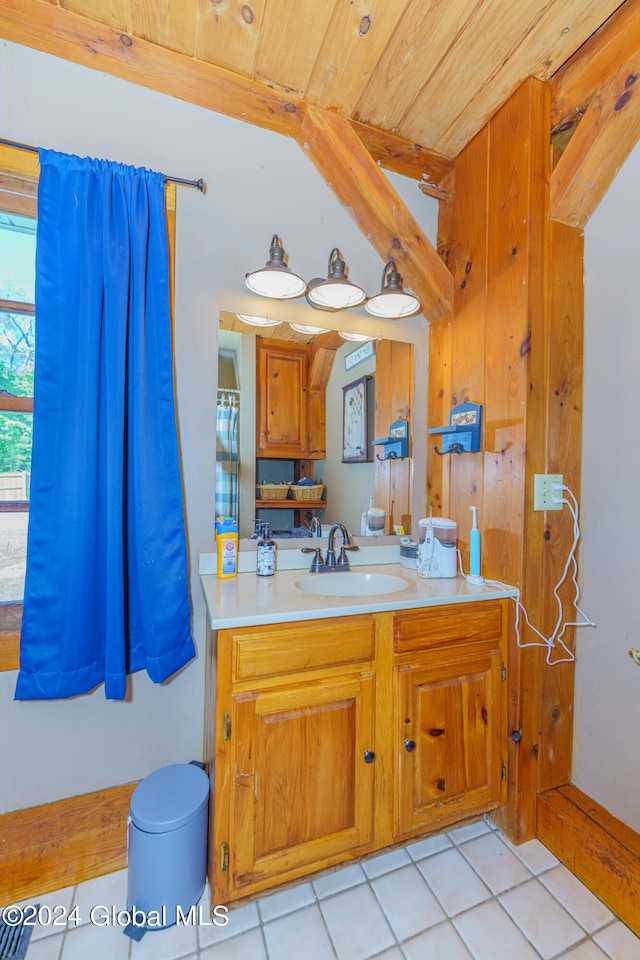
(294, 777)
(282, 415)
(450, 672)
(335, 738)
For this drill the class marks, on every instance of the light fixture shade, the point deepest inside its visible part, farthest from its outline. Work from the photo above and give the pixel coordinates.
(357, 337)
(258, 321)
(275, 279)
(337, 291)
(306, 329)
(392, 302)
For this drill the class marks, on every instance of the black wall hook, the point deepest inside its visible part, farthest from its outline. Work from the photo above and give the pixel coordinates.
(454, 448)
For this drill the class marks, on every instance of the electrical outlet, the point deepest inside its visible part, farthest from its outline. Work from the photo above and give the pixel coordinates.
(543, 497)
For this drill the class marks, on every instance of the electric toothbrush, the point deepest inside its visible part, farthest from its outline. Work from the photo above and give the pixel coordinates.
(474, 551)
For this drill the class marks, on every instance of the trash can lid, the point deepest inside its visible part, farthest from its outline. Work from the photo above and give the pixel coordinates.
(170, 797)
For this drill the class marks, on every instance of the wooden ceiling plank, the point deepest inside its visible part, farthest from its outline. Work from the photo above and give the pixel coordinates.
(607, 133)
(421, 39)
(291, 36)
(44, 27)
(532, 44)
(400, 155)
(163, 22)
(354, 42)
(617, 40)
(228, 34)
(364, 191)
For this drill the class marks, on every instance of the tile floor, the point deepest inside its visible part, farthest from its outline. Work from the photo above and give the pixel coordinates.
(464, 895)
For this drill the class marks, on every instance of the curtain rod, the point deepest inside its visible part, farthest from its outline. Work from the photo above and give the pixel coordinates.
(198, 184)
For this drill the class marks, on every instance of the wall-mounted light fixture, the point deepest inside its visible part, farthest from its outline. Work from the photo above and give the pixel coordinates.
(275, 279)
(392, 301)
(336, 292)
(258, 321)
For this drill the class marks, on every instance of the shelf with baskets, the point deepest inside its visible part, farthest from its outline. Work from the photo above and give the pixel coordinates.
(303, 500)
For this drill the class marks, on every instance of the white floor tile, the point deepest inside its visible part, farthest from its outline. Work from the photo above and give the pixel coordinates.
(441, 942)
(454, 882)
(489, 933)
(577, 899)
(534, 855)
(248, 946)
(277, 904)
(240, 919)
(108, 891)
(386, 862)
(395, 953)
(47, 948)
(356, 924)
(618, 942)
(585, 951)
(407, 902)
(469, 832)
(55, 909)
(338, 880)
(425, 848)
(541, 918)
(494, 862)
(168, 944)
(99, 943)
(299, 934)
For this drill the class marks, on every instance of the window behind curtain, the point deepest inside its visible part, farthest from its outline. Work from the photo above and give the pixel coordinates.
(17, 345)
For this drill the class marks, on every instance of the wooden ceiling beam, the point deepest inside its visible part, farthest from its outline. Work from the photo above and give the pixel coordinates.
(52, 29)
(356, 180)
(606, 135)
(576, 82)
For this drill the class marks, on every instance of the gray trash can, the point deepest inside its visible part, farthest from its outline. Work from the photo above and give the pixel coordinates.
(167, 844)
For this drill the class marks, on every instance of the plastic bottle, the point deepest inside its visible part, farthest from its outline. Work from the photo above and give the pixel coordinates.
(266, 554)
(227, 546)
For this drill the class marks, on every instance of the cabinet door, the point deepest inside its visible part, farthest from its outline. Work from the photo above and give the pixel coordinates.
(282, 415)
(302, 791)
(450, 729)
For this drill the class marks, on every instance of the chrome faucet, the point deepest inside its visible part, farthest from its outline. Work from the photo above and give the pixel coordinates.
(329, 564)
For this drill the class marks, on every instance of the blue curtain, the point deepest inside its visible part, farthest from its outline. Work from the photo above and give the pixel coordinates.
(106, 590)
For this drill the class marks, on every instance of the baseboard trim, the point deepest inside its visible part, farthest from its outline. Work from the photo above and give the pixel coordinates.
(60, 844)
(598, 848)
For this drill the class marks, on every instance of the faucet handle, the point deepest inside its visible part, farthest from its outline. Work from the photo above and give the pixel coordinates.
(317, 563)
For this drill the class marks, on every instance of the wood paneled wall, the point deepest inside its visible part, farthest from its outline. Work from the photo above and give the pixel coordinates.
(513, 344)
(394, 401)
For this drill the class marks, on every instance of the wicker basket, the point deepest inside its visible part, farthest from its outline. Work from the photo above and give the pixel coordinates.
(307, 493)
(272, 491)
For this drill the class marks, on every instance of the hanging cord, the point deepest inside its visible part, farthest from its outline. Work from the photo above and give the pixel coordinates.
(555, 639)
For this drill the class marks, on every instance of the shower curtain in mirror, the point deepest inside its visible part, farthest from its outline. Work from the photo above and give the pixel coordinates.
(106, 590)
(227, 455)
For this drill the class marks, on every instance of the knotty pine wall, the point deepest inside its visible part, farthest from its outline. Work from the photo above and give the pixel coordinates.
(514, 344)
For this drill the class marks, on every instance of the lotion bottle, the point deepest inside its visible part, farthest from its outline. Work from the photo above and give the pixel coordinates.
(266, 554)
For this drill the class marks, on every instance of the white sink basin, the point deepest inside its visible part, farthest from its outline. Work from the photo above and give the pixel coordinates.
(349, 584)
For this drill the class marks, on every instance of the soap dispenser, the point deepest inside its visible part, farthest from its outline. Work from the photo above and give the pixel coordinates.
(266, 554)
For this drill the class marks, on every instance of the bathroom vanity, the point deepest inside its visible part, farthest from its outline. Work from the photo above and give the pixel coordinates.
(337, 725)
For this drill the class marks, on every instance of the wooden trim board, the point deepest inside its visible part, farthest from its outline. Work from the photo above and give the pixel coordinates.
(61, 844)
(600, 850)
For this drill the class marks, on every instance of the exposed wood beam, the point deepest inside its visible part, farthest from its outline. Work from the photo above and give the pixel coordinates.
(349, 170)
(606, 135)
(400, 155)
(617, 41)
(54, 30)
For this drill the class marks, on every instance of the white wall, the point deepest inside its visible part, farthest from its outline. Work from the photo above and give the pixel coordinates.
(258, 184)
(607, 705)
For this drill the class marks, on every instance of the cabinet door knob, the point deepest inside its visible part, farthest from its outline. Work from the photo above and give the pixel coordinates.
(409, 745)
(369, 756)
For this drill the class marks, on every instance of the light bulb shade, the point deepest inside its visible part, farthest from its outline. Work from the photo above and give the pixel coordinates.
(306, 329)
(357, 337)
(336, 292)
(392, 302)
(258, 321)
(275, 279)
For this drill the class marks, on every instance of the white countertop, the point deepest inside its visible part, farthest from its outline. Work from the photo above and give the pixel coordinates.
(248, 600)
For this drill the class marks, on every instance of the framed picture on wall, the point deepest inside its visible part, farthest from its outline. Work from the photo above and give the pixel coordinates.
(356, 421)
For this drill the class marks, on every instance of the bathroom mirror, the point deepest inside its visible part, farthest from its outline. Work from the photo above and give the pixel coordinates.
(349, 487)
